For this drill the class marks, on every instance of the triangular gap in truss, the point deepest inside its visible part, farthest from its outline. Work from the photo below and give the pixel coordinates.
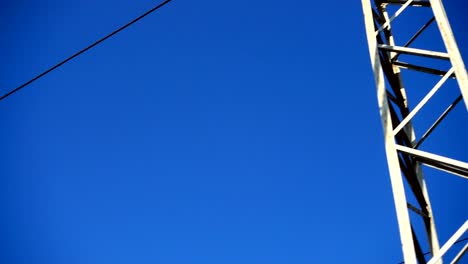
(419, 85)
(446, 191)
(407, 24)
(439, 185)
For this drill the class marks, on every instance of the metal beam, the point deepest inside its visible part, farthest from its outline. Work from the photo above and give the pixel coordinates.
(416, 3)
(392, 155)
(417, 52)
(454, 166)
(449, 243)
(414, 67)
(460, 254)
(451, 46)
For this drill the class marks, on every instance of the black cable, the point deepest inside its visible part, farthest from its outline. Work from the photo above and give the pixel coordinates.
(84, 50)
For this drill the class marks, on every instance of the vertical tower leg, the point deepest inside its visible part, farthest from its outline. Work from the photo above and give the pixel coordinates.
(390, 150)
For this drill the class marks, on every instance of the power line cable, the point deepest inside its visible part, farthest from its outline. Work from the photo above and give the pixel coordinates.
(84, 49)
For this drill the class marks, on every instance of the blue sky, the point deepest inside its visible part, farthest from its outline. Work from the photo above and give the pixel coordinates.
(210, 132)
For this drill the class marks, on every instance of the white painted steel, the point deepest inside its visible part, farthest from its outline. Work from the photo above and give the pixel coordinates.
(414, 51)
(396, 178)
(397, 13)
(451, 46)
(434, 157)
(460, 254)
(426, 98)
(430, 229)
(449, 243)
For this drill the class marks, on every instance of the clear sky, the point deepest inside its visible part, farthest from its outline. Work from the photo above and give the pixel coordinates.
(210, 132)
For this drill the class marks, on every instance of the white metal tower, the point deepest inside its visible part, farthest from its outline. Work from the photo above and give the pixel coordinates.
(405, 152)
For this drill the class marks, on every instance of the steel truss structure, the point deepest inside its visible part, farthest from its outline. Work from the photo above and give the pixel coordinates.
(405, 155)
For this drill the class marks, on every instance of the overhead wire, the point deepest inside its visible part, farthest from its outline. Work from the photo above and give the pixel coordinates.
(94, 44)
